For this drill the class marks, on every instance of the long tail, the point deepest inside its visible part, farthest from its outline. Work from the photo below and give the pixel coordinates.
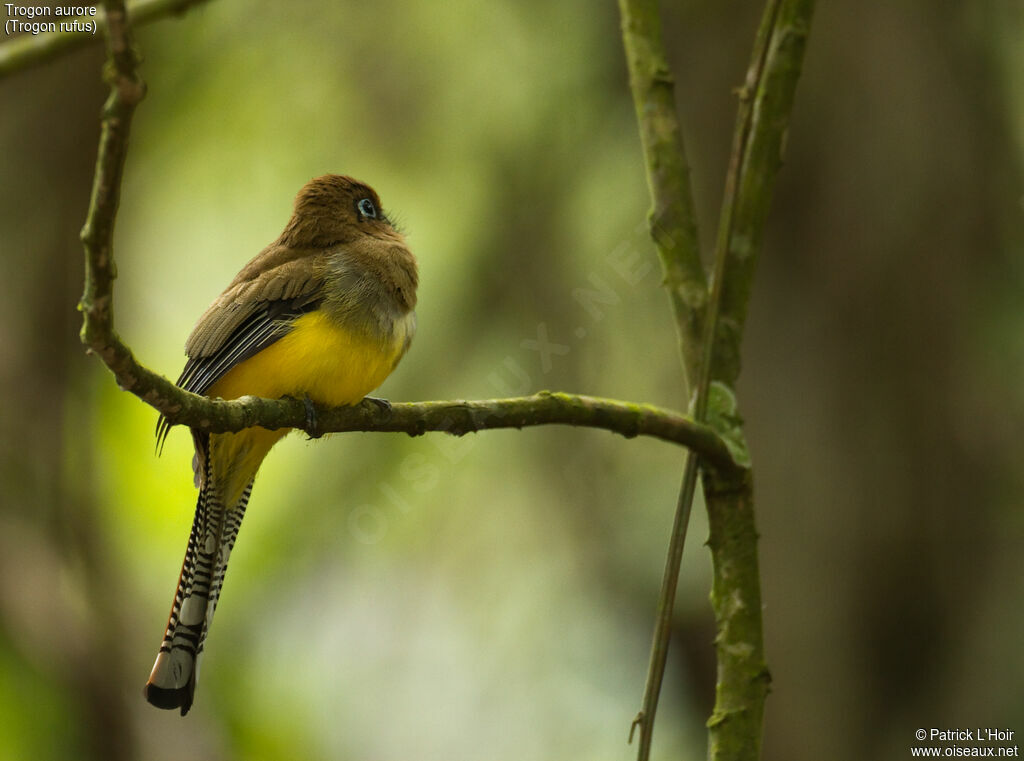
(172, 682)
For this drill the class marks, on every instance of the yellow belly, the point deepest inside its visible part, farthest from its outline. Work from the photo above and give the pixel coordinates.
(317, 358)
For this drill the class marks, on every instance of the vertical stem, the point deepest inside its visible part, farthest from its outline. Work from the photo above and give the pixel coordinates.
(765, 104)
(126, 90)
(762, 121)
(674, 230)
(673, 220)
(735, 726)
(666, 603)
(670, 580)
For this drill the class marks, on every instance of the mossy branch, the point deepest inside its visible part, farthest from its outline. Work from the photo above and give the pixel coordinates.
(673, 220)
(762, 121)
(766, 101)
(28, 50)
(179, 406)
(674, 231)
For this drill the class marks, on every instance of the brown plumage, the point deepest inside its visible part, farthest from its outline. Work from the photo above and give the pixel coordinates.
(325, 312)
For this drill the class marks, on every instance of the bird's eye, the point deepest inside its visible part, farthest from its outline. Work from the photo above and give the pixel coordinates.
(366, 208)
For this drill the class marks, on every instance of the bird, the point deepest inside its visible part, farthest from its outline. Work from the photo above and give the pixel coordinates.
(324, 314)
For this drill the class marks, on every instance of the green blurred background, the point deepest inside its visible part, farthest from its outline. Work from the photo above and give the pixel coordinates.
(492, 597)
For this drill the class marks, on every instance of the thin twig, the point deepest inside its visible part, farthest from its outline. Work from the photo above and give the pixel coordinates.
(28, 50)
(674, 231)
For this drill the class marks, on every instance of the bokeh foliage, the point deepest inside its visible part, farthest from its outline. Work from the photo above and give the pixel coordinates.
(492, 596)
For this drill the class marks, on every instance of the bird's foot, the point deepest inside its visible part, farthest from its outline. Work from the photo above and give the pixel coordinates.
(382, 404)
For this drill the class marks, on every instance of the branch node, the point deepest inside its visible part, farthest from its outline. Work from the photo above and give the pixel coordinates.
(638, 721)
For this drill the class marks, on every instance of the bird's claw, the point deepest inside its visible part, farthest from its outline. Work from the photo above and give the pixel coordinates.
(382, 404)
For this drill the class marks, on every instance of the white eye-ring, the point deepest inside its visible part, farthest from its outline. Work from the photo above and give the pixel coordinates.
(366, 208)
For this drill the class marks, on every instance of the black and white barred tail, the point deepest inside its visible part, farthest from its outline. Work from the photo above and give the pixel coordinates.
(172, 682)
